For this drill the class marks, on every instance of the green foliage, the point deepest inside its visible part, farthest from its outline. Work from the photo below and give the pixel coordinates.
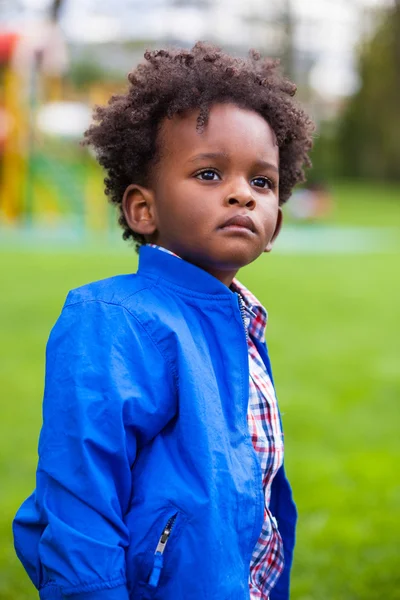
(86, 71)
(368, 141)
(325, 156)
(334, 346)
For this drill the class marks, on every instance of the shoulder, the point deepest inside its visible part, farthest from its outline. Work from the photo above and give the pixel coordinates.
(121, 304)
(118, 291)
(144, 298)
(108, 314)
(109, 310)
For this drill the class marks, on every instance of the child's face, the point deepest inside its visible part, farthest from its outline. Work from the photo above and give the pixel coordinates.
(203, 180)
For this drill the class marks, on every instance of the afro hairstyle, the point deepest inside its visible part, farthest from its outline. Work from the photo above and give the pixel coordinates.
(124, 134)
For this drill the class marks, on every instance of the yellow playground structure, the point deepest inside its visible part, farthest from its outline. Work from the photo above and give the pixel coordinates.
(46, 177)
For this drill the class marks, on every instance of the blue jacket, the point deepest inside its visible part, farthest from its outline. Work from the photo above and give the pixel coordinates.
(148, 486)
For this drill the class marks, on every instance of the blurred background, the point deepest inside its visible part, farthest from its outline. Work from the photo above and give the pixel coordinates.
(331, 286)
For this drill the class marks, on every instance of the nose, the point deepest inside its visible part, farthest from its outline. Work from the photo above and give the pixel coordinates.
(240, 195)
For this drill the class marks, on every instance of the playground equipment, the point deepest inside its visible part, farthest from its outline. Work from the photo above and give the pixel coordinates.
(45, 176)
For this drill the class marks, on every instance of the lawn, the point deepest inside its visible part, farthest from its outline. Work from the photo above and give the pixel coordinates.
(333, 337)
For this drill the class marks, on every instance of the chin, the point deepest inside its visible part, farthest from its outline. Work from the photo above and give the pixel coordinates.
(229, 256)
(236, 259)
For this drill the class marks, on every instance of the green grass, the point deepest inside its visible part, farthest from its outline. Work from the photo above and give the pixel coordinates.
(335, 349)
(333, 336)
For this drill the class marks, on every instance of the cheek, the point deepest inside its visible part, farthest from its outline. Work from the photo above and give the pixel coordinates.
(185, 204)
(270, 217)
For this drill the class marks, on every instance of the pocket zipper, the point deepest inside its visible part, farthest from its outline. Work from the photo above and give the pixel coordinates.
(159, 553)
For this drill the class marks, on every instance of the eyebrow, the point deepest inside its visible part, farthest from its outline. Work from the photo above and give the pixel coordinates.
(262, 164)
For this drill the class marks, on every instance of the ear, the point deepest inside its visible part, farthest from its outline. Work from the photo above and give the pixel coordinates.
(138, 209)
(276, 232)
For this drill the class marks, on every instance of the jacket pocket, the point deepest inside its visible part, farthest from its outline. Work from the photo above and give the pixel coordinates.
(158, 563)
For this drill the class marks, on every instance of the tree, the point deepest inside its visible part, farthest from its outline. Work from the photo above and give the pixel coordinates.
(370, 129)
(55, 8)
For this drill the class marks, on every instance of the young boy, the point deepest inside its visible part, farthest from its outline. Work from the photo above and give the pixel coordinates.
(161, 454)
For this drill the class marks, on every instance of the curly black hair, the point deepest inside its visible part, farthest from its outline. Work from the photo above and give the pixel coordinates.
(124, 133)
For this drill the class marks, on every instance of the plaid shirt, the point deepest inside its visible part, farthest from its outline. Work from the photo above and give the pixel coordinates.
(267, 560)
(266, 434)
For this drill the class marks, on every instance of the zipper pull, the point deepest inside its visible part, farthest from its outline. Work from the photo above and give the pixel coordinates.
(159, 553)
(157, 568)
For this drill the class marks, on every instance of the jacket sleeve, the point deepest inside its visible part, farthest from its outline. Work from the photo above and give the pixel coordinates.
(107, 391)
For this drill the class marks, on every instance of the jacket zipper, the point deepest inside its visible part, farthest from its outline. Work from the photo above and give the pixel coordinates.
(159, 553)
(242, 309)
(243, 315)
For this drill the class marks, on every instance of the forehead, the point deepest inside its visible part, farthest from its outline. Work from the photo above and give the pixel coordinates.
(240, 133)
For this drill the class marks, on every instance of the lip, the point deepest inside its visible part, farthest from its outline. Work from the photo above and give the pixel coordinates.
(239, 221)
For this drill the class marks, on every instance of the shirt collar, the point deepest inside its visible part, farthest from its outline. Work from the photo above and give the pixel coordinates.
(163, 250)
(257, 313)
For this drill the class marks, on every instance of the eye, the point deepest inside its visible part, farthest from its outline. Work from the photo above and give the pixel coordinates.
(262, 182)
(208, 175)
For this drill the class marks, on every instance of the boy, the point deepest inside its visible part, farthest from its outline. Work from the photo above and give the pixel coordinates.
(161, 456)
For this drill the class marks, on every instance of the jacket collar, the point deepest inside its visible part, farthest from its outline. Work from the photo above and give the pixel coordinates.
(178, 272)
